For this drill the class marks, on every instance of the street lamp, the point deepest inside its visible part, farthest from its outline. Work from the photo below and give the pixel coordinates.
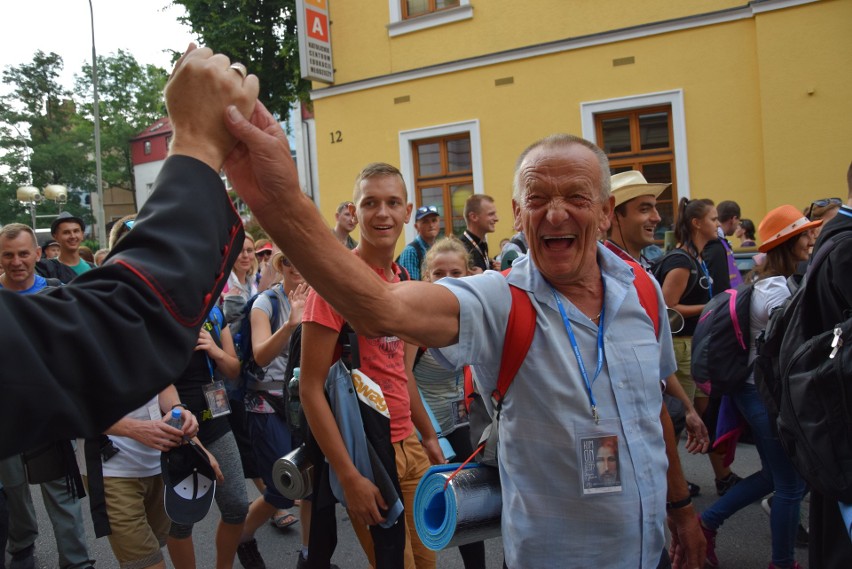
(30, 197)
(99, 207)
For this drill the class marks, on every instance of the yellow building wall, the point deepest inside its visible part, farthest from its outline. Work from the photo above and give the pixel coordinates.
(805, 63)
(363, 47)
(739, 138)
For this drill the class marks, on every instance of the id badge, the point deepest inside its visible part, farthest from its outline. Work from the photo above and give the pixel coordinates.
(600, 467)
(217, 399)
(458, 412)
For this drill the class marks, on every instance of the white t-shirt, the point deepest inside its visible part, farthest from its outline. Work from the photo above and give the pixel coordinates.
(768, 293)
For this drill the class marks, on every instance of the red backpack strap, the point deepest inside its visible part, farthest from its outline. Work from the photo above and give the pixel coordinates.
(520, 330)
(647, 294)
(468, 387)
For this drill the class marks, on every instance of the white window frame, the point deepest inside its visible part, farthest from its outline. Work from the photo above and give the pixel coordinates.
(399, 26)
(674, 98)
(406, 158)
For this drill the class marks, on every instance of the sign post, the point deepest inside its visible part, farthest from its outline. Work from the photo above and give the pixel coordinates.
(314, 40)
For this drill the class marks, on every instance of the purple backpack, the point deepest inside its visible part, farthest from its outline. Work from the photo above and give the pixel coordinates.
(721, 342)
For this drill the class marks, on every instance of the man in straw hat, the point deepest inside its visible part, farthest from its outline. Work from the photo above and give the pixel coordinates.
(635, 216)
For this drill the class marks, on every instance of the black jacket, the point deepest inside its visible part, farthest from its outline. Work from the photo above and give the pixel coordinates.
(80, 357)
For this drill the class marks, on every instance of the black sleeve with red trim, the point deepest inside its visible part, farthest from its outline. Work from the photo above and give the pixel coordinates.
(78, 358)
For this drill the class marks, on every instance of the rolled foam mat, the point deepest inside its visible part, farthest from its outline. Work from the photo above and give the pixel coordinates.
(292, 474)
(467, 511)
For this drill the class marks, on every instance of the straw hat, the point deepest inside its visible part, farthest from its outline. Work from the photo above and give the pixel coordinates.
(781, 224)
(632, 184)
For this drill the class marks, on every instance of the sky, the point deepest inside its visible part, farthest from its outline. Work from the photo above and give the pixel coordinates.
(145, 28)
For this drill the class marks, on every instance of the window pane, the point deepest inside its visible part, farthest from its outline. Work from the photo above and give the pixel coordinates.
(429, 159)
(660, 173)
(458, 196)
(458, 155)
(434, 196)
(417, 7)
(442, 4)
(616, 135)
(654, 131)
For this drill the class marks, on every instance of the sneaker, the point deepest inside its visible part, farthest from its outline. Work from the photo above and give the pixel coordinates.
(766, 504)
(694, 489)
(23, 559)
(722, 486)
(250, 556)
(302, 563)
(710, 561)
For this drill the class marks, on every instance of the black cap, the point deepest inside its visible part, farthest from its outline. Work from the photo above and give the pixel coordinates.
(62, 218)
(190, 483)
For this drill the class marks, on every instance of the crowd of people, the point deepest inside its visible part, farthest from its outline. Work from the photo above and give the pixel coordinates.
(603, 353)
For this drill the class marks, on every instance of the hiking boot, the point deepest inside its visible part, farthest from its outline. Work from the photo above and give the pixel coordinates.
(23, 559)
(250, 556)
(694, 489)
(710, 561)
(728, 482)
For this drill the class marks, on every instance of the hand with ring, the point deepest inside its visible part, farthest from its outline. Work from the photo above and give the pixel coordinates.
(201, 87)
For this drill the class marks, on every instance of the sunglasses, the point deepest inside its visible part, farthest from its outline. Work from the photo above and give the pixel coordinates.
(823, 203)
(423, 210)
(129, 223)
(286, 262)
(264, 254)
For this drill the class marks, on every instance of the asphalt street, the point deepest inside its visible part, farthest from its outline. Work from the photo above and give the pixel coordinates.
(743, 542)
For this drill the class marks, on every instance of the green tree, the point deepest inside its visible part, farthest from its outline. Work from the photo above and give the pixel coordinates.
(130, 99)
(41, 140)
(47, 132)
(259, 33)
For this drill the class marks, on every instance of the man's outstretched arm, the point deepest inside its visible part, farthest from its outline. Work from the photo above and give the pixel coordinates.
(264, 175)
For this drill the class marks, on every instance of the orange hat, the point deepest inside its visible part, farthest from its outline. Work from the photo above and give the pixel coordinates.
(780, 225)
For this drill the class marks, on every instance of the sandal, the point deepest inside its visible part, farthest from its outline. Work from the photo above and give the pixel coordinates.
(283, 519)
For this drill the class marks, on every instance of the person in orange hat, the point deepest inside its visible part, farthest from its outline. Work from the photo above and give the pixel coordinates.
(786, 237)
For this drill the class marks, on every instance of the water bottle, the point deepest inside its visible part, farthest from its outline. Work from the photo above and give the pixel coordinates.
(294, 405)
(175, 419)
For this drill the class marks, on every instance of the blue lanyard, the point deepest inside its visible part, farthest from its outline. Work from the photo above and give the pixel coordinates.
(577, 354)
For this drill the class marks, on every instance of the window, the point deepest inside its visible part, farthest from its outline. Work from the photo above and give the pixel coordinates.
(443, 177)
(415, 8)
(407, 16)
(147, 147)
(641, 139)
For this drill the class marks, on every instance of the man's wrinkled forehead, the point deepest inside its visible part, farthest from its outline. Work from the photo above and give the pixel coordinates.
(559, 168)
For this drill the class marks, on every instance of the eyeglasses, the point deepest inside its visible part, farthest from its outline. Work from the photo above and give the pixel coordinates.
(823, 203)
(423, 210)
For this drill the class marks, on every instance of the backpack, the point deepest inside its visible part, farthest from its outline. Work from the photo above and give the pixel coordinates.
(811, 390)
(657, 269)
(520, 242)
(721, 342)
(251, 374)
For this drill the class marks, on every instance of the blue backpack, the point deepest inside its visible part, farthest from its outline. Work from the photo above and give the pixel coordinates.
(250, 372)
(721, 342)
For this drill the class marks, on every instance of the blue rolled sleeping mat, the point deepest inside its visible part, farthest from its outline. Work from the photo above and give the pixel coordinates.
(467, 511)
